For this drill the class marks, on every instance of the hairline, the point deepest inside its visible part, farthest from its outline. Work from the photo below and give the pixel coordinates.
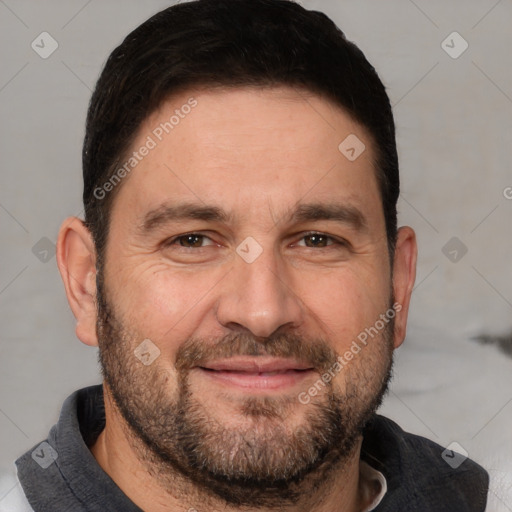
(207, 86)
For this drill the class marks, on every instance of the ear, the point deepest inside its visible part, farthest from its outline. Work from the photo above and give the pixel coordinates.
(76, 259)
(404, 275)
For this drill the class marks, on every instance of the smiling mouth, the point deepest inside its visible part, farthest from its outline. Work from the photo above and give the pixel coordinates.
(265, 374)
(256, 373)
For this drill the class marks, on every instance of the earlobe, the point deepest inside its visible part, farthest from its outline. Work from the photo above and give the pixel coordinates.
(404, 275)
(76, 259)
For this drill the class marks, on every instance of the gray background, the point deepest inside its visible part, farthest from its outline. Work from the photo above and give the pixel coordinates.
(454, 133)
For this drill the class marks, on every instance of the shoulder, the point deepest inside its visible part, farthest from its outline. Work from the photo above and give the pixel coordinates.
(421, 474)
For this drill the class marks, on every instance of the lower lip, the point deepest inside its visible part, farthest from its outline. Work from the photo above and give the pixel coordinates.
(255, 381)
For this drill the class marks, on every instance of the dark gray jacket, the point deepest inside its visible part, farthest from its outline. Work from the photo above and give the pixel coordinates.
(61, 475)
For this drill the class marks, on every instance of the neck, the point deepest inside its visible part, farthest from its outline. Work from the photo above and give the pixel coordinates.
(118, 453)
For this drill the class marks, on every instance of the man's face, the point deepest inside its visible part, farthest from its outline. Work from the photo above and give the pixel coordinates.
(251, 252)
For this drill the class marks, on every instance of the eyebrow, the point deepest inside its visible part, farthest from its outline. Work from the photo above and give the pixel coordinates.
(166, 213)
(346, 214)
(172, 212)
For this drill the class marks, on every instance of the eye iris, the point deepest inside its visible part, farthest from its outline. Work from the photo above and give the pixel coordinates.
(316, 240)
(191, 241)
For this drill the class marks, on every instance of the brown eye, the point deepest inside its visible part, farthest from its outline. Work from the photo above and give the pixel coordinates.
(317, 240)
(191, 240)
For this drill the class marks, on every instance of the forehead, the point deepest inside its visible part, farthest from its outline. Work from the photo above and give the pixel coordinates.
(241, 148)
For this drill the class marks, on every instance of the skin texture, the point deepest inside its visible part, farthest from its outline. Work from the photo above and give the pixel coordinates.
(257, 154)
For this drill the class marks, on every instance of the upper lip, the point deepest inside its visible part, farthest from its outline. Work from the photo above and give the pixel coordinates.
(255, 364)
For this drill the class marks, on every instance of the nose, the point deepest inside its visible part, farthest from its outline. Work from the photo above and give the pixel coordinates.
(259, 297)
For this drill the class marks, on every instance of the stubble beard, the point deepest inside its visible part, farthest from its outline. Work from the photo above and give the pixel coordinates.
(264, 464)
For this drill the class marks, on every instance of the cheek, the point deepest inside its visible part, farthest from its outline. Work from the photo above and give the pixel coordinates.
(162, 303)
(344, 302)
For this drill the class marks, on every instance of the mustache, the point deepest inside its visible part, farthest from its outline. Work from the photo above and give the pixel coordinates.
(314, 352)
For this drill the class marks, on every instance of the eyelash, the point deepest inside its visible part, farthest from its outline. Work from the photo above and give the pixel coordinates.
(335, 241)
